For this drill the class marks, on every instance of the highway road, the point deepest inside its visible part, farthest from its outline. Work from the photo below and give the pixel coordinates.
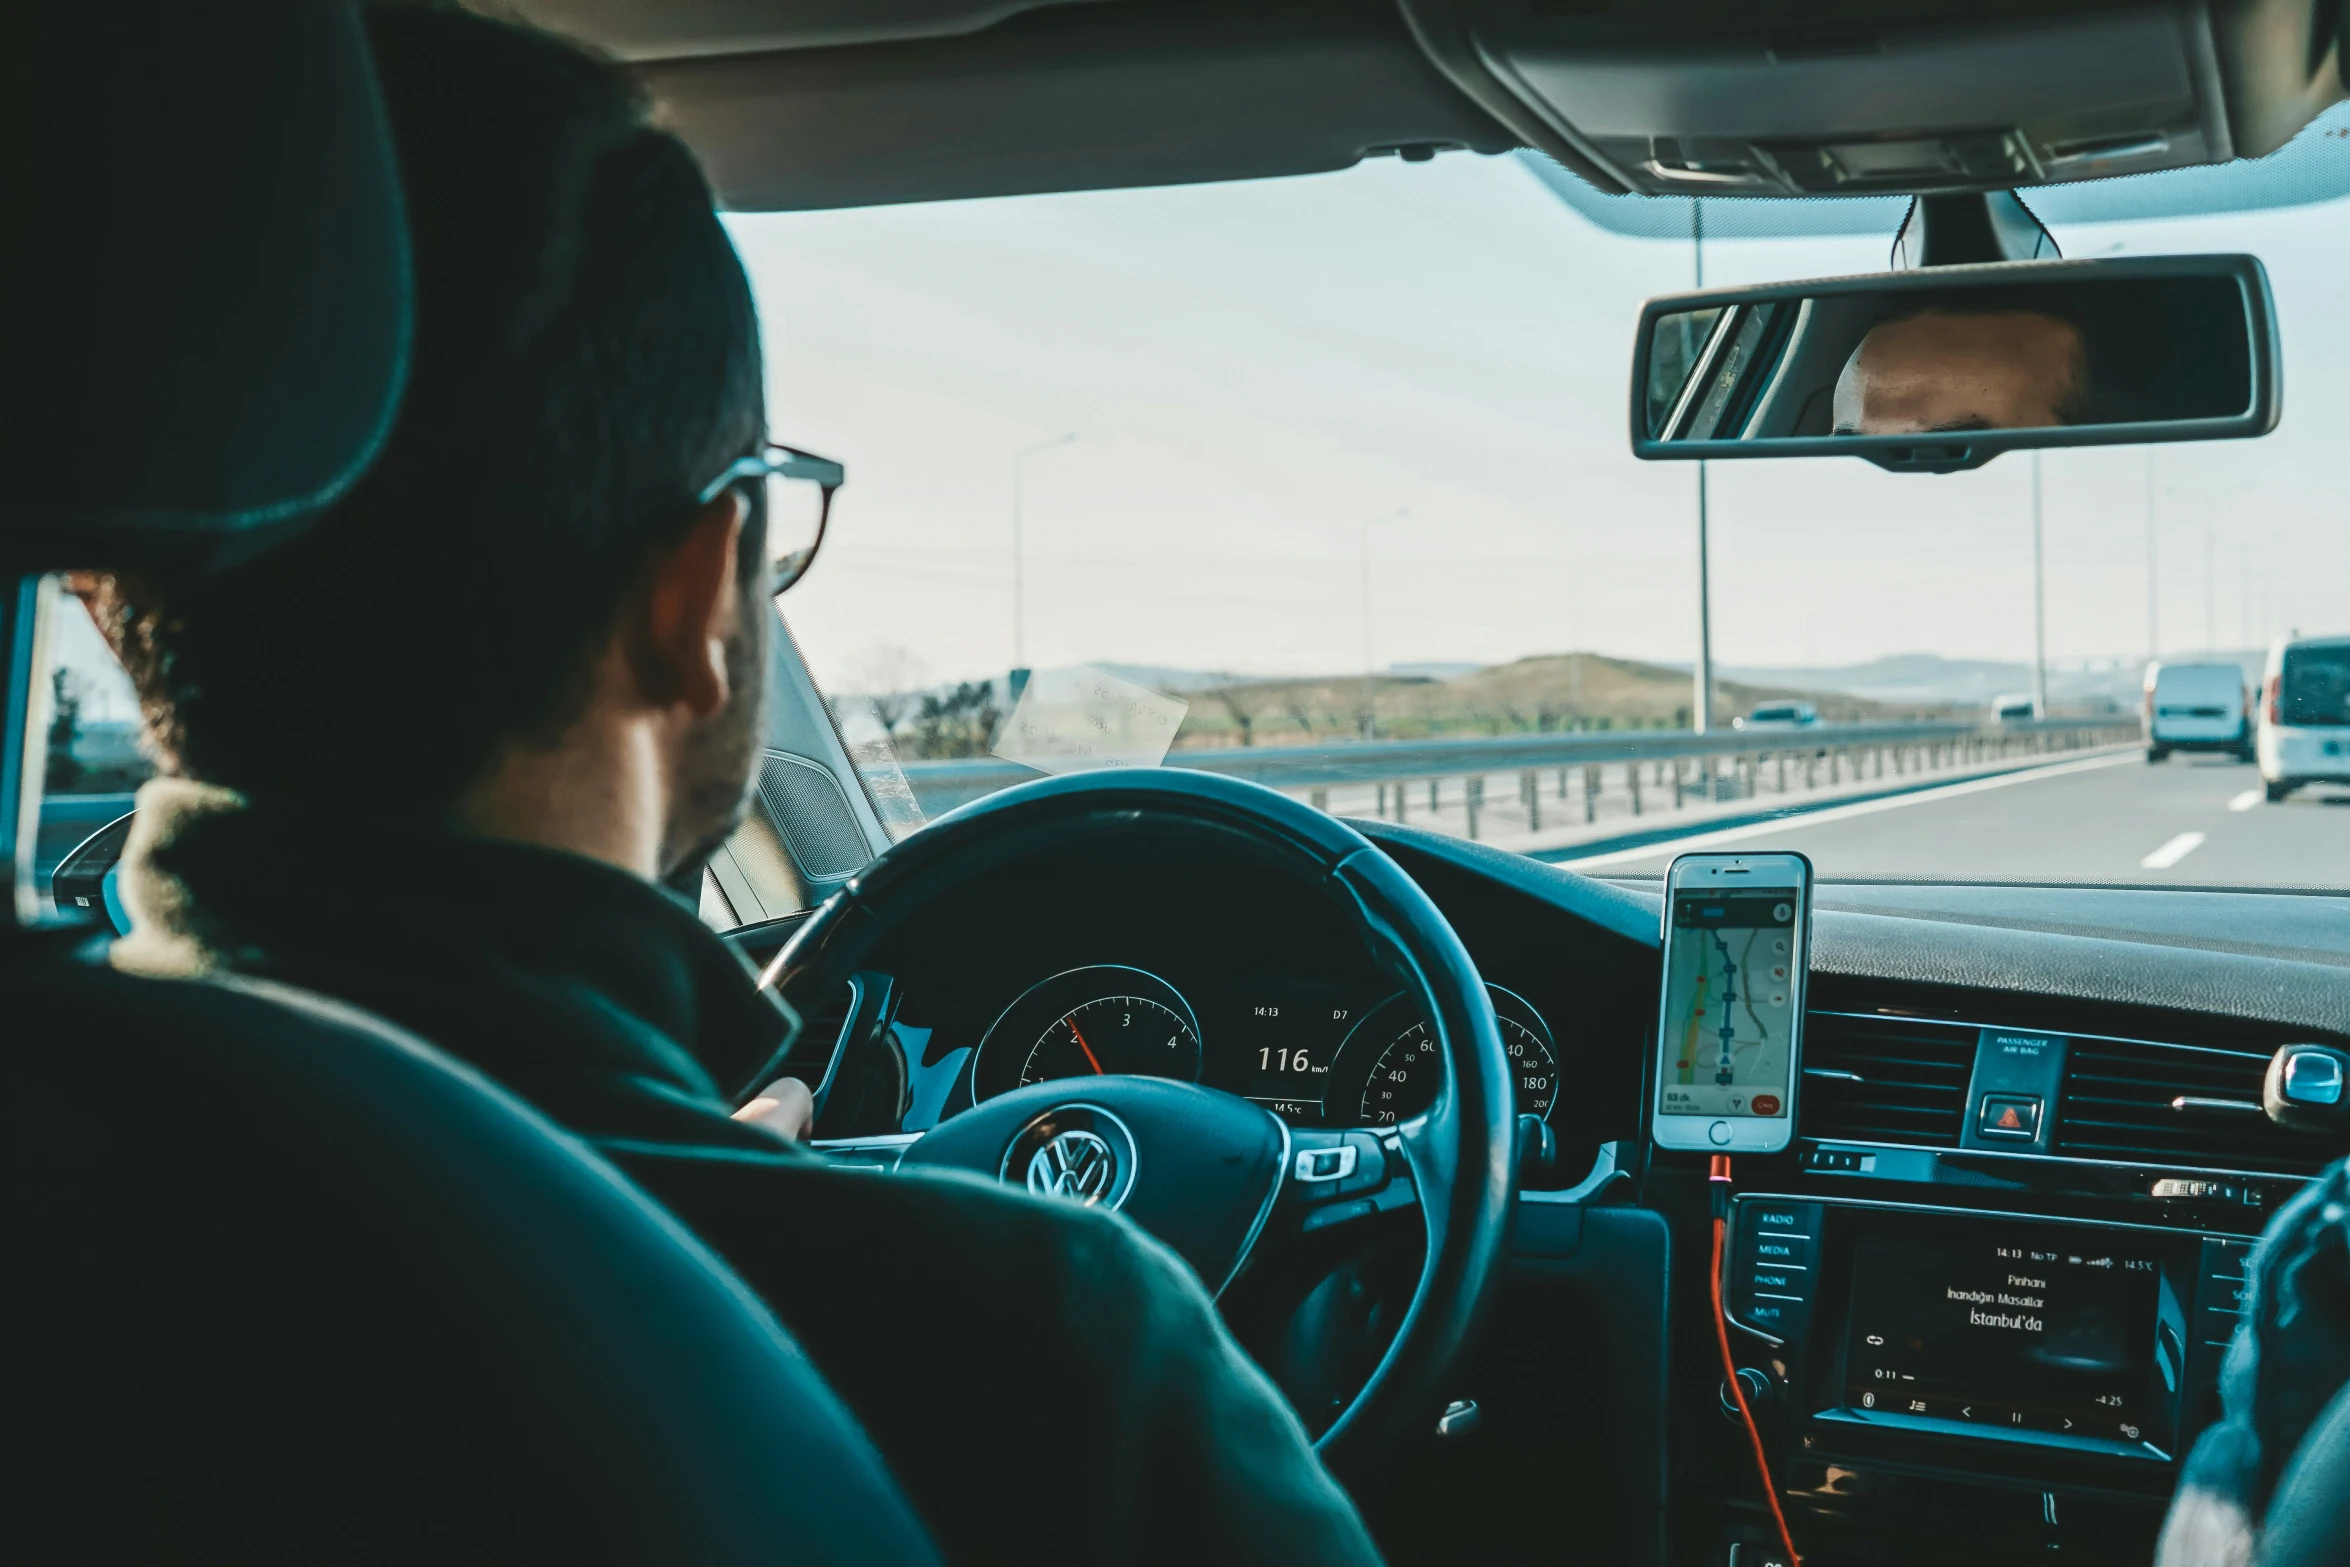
(2113, 818)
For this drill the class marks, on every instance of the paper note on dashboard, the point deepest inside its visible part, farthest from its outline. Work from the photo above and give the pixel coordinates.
(1075, 720)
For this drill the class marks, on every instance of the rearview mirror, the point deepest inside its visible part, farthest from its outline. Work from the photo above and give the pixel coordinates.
(1944, 368)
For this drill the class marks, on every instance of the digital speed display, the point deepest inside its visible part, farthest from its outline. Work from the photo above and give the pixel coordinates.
(2030, 1331)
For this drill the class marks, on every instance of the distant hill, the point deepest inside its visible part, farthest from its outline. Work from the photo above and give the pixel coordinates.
(1556, 691)
(1175, 682)
(1928, 677)
(1900, 677)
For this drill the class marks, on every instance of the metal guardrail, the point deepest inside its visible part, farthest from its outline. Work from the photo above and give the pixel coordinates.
(1728, 763)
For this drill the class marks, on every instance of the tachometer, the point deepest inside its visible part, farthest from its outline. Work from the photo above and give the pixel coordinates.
(1404, 1070)
(1102, 1020)
(1131, 1034)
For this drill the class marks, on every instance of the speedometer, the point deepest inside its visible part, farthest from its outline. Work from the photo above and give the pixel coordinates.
(1104, 1020)
(1404, 1069)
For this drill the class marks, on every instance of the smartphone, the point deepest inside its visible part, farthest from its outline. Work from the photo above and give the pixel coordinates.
(1737, 953)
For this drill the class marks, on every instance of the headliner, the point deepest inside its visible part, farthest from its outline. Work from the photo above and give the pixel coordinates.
(796, 104)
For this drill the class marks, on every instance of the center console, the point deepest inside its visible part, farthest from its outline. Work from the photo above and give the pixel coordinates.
(2065, 1353)
(1981, 1305)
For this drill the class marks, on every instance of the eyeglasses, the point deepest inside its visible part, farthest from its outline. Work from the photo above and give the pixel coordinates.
(795, 493)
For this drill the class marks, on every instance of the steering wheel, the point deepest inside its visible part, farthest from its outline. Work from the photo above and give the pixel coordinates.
(1222, 1181)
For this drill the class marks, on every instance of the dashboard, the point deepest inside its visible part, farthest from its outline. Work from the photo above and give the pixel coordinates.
(1234, 974)
(1966, 1336)
(1313, 1052)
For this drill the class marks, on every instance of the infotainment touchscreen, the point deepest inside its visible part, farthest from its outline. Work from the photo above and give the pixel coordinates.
(2028, 1331)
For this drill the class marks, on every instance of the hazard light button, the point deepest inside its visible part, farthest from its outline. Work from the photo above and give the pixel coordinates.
(2009, 1115)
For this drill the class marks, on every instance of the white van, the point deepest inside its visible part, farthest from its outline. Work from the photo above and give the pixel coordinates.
(2197, 707)
(2305, 714)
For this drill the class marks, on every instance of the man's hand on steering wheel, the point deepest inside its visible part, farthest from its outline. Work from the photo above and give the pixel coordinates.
(1219, 1179)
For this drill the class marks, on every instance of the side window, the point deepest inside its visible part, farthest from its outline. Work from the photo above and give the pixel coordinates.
(95, 762)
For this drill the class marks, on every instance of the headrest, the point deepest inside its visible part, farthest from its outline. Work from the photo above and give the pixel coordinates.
(204, 300)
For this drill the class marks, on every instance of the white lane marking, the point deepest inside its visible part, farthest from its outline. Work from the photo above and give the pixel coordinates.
(2171, 853)
(1837, 813)
(2248, 800)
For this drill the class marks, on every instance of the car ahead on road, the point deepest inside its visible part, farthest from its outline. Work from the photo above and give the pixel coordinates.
(2014, 708)
(2304, 734)
(1771, 716)
(1293, 335)
(2197, 707)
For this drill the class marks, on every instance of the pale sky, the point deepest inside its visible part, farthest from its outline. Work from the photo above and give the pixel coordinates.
(1254, 370)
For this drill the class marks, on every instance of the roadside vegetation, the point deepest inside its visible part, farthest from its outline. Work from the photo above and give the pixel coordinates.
(1551, 693)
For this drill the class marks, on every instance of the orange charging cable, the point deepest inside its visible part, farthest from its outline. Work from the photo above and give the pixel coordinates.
(1720, 1178)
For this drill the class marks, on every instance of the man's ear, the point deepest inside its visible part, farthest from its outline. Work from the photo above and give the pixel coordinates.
(691, 610)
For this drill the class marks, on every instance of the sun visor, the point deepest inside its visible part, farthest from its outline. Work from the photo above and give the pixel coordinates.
(1073, 97)
(1690, 100)
(204, 297)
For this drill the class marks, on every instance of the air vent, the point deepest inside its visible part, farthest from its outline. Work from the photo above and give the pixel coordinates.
(2118, 1104)
(812, 1051)
(1886, 1080)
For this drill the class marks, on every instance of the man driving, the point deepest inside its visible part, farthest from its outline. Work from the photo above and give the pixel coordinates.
(436, 755)
(1942, 370)
(2288, 1359)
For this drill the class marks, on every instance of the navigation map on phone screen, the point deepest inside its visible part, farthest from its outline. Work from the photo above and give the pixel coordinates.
(1730, 1003)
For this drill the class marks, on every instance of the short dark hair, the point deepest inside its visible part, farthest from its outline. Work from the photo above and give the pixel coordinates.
(586, 359)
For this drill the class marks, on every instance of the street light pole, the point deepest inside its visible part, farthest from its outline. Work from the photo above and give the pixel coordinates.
(1701, 717)
(1370, 703)
(2153, 576)
(2039, 603)
(2244, 634)
(1575, 641)
(2210, 592)
(1019, 562)
(1703, 697)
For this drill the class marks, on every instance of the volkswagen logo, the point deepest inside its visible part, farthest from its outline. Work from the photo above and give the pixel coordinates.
(1076, 1165)
(1079, 1152)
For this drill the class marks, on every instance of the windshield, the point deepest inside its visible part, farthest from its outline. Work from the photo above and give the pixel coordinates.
(1326, 482)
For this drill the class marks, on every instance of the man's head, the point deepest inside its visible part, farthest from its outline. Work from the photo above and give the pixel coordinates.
(528, 563)
(1942, 369)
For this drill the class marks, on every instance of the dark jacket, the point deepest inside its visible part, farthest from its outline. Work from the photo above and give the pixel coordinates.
(1049, 1384)
(2289, 1357)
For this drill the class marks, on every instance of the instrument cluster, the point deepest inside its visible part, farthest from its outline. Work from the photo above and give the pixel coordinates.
(1307, 1051)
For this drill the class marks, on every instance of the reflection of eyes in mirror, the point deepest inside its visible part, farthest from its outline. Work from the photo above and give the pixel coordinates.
(2067, 346)
(1940, 369)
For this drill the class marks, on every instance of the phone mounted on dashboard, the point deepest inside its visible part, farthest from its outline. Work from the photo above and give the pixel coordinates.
(1729, 1058)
